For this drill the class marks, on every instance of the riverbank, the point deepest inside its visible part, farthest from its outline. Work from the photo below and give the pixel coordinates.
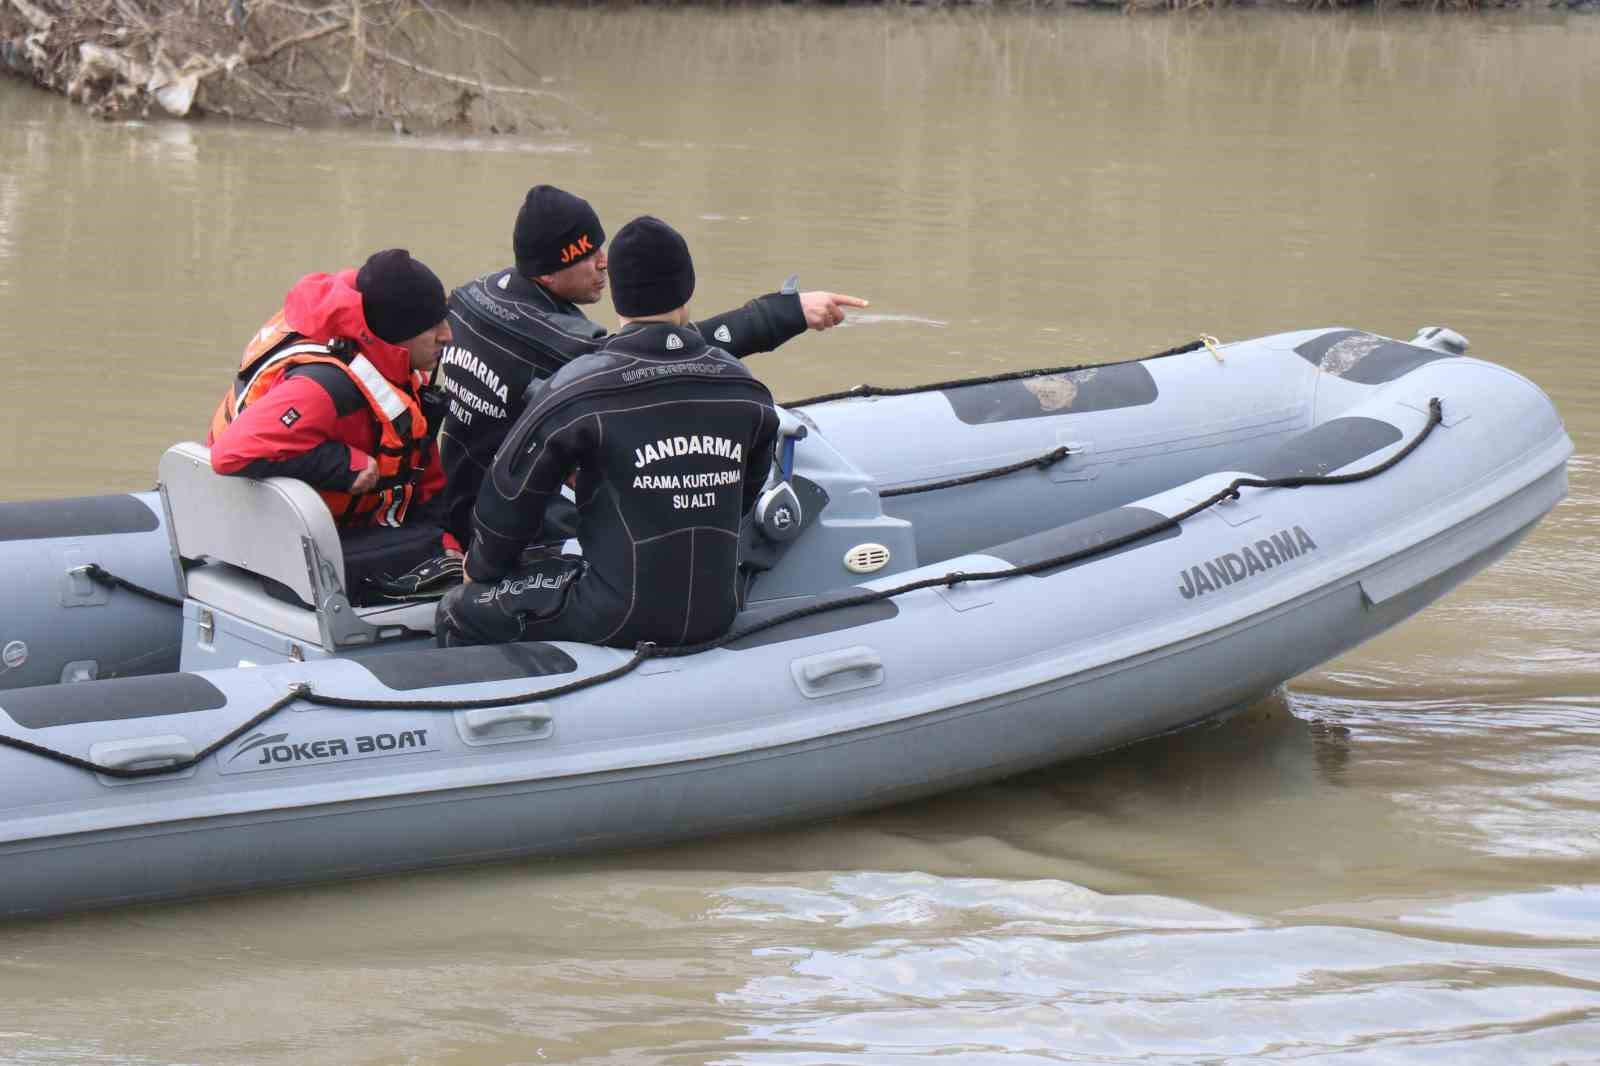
(376, 62)
(365, 61)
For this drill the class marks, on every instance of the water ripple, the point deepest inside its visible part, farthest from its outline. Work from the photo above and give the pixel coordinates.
(1119, 979)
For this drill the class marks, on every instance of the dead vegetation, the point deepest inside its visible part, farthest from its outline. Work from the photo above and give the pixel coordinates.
(400, 63)
(292, 63)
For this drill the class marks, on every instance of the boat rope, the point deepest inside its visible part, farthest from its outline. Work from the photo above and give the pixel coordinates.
(101, 576)
(302, 691)
(1049, 458)
(991, 379)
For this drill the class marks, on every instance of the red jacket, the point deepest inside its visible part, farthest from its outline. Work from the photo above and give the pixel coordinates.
(315, 424)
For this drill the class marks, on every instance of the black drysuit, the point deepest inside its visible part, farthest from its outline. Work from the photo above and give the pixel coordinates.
(511, 332)
(672, 441)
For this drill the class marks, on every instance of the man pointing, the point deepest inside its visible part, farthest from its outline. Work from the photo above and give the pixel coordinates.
(521, 324)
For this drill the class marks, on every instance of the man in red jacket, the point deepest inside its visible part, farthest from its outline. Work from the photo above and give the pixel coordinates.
(333, 391)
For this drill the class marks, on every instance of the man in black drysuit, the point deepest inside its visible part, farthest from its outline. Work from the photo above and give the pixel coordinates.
(672, 442)
(521, 324)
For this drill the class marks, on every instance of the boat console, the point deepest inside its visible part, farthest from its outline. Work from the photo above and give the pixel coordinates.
(844, 537)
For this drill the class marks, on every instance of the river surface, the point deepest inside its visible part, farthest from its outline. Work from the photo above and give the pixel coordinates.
(1397, 859)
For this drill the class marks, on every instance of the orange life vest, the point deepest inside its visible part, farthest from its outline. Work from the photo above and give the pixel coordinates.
(403, 440)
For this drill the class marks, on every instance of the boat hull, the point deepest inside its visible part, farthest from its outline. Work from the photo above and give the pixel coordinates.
(974, 743)
(844, 710)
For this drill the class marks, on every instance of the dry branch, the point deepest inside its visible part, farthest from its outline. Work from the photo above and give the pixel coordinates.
(465, 82)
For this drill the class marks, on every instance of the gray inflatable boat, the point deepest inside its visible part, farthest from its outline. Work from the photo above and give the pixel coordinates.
(955, 584)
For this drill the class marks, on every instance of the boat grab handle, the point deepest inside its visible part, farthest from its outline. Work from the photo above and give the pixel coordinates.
(833, 672)
(141, 753)
(489, 721)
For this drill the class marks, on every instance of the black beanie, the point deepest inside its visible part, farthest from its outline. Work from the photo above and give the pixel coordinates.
(399, 295)
(554, 230)
(651, 272)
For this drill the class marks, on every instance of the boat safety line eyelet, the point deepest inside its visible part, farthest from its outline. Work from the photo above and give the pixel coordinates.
(1211, 346)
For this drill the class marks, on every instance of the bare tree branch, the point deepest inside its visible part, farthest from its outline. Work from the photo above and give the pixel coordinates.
(301, 39)
(356, 48)
(35, 17)
(471, 83)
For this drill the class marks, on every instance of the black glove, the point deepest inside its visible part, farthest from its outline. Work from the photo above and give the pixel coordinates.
(426, 581)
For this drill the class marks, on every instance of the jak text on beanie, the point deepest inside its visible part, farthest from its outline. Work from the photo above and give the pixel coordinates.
(554, 230)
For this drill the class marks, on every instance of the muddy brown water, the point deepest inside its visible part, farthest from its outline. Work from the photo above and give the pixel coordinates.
(1397, 859)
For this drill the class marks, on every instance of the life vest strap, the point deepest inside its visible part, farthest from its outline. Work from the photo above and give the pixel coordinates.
(389, 401)
(271, 359)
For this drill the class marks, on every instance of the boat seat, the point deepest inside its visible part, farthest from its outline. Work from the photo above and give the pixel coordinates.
(231, 532)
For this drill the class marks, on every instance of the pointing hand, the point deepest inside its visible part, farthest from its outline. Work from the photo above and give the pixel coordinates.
(824, 310)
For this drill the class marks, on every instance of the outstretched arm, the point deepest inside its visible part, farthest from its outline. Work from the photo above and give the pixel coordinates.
(768, 321)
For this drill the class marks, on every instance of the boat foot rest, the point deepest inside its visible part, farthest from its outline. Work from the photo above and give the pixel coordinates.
(245, 595)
